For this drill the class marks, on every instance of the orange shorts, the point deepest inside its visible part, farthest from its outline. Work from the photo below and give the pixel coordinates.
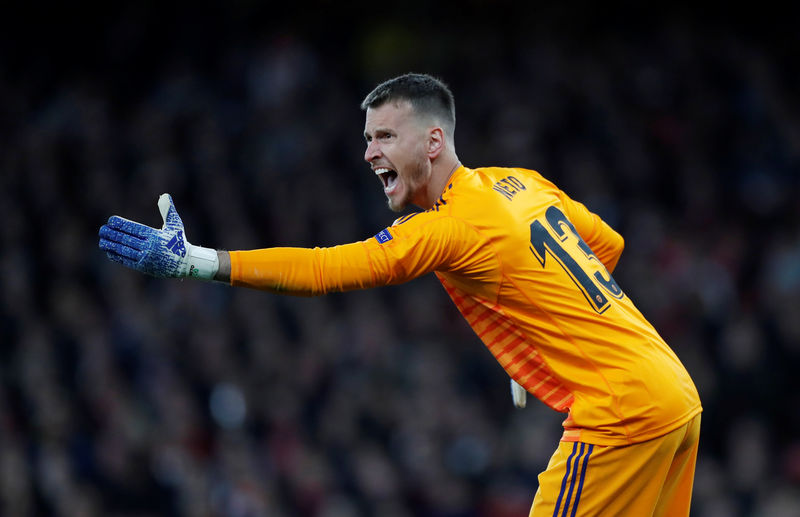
(652, 478)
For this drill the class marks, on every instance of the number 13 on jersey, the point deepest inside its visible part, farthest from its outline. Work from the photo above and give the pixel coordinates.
(560, 238)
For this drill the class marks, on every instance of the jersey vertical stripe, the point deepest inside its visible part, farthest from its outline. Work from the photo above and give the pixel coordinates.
(574, 478)
(582, 479)
(565, 479)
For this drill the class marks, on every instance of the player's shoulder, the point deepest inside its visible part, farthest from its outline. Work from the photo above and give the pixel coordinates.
(495, 174)
(435, 224)
(479, 188)
(405, 218)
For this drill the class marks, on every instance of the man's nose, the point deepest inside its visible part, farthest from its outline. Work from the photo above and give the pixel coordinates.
(373, 151)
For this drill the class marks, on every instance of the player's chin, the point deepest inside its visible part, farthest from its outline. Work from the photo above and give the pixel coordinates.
(395, 205)
(396, 200)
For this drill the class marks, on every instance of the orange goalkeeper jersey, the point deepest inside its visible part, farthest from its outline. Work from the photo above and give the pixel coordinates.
(528, 267)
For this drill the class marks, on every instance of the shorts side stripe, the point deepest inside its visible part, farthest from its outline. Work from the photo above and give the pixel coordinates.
(572, 483)
(564, 481)
(583, 476)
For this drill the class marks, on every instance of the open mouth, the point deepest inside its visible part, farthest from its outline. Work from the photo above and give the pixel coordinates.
(388, 177)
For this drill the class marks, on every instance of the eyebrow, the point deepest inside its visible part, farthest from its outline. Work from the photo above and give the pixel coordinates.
(377, 131)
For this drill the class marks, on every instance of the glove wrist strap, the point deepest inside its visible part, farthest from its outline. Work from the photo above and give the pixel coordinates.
(203, 263)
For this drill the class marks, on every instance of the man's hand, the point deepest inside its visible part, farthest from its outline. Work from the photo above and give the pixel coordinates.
(161, 253)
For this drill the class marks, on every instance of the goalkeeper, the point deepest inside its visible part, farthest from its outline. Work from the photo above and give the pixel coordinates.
(530, 270)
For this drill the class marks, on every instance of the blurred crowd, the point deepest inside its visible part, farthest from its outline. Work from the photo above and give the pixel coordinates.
(127, 396)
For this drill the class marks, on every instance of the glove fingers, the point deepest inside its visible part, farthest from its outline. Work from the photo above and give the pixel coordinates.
(122, 260)
(157, 252)
(172, 221)
(130, 240)
(120, 249)
(130, 227)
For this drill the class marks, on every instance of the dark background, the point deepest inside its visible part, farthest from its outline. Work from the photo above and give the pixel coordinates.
(123, 395)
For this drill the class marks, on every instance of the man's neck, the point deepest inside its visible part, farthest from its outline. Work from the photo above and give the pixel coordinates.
(440, 177)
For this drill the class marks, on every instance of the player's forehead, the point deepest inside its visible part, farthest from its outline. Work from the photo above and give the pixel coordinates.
(392, 115)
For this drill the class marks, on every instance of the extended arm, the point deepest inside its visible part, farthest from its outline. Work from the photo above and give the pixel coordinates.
(400, 254)
(427, 242)
(306, 271)
(606, 243)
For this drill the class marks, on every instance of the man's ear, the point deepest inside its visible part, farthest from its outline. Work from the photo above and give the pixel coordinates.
(435, 142)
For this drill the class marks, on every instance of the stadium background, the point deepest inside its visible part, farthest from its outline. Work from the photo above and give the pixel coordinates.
(122, 395)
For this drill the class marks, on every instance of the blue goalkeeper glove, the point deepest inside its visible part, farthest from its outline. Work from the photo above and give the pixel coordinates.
(160, 253)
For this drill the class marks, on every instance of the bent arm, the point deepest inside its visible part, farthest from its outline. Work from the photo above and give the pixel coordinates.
(604, 241)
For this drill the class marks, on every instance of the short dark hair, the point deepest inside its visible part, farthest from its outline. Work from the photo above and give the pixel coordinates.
(427, 95)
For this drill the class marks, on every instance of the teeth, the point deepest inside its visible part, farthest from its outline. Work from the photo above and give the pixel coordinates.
(381, 170)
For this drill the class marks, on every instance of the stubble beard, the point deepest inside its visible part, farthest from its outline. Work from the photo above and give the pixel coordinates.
(413, 183)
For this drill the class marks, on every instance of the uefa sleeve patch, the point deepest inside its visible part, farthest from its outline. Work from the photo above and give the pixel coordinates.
(383, 236)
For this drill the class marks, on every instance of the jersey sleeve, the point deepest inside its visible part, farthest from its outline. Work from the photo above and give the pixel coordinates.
(412, 247)
(606, 243)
